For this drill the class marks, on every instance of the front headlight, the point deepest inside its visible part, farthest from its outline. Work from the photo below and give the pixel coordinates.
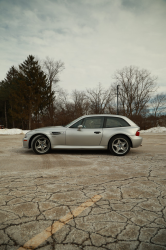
(25, 136)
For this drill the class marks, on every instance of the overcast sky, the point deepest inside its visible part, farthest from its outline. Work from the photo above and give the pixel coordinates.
(93, 38)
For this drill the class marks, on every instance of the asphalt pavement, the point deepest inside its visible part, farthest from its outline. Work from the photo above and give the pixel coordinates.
(72, 200)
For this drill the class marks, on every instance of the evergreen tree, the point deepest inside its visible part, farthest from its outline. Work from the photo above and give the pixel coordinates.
(3, 97)
(30, 93)
(5, 90)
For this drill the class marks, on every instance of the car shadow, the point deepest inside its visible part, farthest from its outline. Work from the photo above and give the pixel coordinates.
(79, 152)
(23, 151)
(62, 151)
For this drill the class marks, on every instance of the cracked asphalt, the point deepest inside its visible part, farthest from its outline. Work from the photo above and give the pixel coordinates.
(36, 191)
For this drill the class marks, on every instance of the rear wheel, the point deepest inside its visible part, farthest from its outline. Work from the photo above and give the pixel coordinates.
(119, 145)
(41, 144)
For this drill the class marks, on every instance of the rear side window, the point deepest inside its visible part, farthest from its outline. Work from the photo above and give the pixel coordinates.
(113, 122)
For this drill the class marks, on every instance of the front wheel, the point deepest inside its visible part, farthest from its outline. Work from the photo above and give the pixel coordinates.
(41, 144)
(119, 145)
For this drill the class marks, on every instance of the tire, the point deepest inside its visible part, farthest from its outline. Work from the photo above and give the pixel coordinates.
(119, 145)
(41, 144)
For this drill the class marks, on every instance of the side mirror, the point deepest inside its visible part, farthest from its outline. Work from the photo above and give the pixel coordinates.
(80, 127)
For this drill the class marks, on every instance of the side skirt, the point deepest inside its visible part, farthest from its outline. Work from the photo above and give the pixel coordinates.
(78, 147)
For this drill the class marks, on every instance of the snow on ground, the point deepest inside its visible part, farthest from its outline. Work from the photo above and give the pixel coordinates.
(154, 130)
(12, 131)
(16, 131)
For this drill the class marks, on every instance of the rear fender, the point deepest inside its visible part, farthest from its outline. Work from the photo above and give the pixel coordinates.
(131, 145)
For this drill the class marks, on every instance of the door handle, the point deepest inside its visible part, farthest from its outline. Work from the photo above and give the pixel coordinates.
(97, 132)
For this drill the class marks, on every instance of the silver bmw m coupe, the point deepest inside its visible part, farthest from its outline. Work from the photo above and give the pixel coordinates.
(108, 132)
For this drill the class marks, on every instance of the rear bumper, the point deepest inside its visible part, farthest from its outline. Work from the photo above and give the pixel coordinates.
(136, 141)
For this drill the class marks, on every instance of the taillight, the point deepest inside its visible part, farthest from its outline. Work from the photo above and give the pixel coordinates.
(137, 133)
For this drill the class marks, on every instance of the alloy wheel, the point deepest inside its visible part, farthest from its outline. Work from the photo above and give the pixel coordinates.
(120, 146)
(42, 145)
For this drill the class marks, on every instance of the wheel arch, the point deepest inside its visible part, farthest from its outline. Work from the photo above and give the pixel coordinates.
(33, 136)
(131, 145)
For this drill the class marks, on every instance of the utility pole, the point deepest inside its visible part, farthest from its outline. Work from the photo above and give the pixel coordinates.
(117, 100)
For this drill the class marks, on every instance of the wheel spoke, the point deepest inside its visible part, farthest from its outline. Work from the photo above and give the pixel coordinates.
(44, 142)
(117, 150)
(123, 148)
(119, 141)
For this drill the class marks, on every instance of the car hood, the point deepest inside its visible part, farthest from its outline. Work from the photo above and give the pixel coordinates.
(52, 128)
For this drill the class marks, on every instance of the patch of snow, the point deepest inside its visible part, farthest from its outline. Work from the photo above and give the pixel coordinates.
(16, 131)
(13, 131)
(154, 130)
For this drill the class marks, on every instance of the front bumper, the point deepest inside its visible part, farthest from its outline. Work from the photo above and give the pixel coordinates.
(136, 141)
(25, 142)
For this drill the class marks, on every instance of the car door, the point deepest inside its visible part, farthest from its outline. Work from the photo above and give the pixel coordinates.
(89, 135)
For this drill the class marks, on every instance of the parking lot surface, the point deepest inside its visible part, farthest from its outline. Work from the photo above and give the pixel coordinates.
(72, 200)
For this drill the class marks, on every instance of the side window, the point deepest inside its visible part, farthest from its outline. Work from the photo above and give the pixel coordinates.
(112, 122)
(93, 122)
(75, 125)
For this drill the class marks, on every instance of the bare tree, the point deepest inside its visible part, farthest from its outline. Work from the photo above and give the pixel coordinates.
(135, 89)
(81, 104)
(61, 97)
(99, 99)
(158, 103)
(52, 69)
(64, 108)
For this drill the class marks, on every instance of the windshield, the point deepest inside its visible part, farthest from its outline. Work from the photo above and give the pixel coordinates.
(71, 123)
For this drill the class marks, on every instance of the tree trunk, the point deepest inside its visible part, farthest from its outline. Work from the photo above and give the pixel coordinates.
(6, 116)
(12, 117)
(22, 124)
(30, 121)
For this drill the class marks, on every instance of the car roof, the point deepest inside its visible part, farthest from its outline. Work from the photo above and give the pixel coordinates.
(103, 115)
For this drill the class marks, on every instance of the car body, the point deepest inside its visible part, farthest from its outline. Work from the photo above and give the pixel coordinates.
(102, 131)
